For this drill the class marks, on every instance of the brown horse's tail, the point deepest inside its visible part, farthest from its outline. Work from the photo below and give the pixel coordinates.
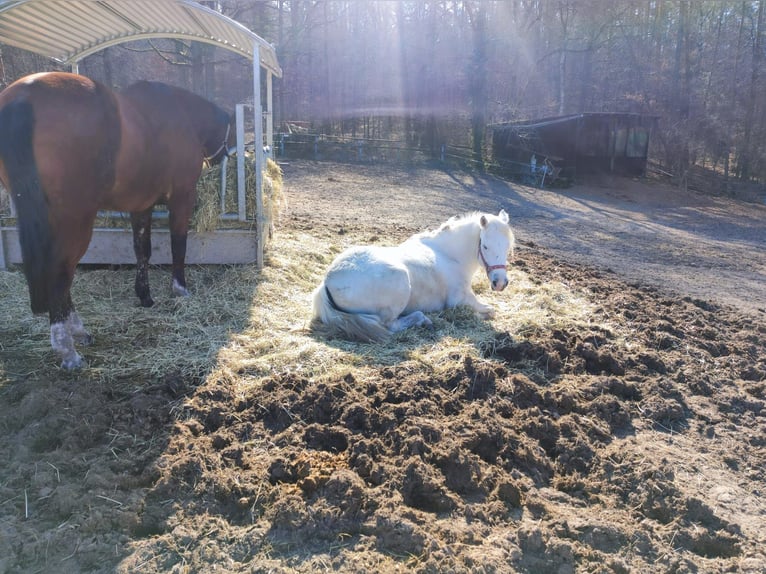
(16, 129)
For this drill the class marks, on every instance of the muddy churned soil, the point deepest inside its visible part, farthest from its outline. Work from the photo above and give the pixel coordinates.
(633, 441)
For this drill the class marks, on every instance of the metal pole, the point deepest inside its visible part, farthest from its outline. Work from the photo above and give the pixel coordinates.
(241, 191)
(258, 128)
(3, 264)
(224, 169)
(270, 110)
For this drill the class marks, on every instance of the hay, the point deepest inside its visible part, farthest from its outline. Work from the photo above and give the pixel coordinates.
(177, 337)
(208, 208)
(243, 325)
(274, 198)
(277, 338)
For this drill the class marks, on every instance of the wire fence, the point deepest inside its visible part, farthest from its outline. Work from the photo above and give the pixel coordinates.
(710, 182)
(322, 147)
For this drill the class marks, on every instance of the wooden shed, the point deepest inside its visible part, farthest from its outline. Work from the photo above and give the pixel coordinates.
(576, 144)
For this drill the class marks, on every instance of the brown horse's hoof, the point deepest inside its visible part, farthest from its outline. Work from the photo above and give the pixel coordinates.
(179, 290)
(84, 339)
(72, 362)
(147, 302)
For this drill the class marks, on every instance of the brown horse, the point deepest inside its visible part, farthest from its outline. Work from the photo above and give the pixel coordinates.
(70, 147)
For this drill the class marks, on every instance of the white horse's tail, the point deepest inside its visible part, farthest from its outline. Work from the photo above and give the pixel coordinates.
(330, 320)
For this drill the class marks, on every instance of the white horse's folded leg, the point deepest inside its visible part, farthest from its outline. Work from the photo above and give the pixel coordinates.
(484, 311)
(77, 329)
(416, 319)
(63, 343)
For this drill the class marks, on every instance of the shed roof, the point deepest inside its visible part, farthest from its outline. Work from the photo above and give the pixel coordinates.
(545, 122)
(69, 30)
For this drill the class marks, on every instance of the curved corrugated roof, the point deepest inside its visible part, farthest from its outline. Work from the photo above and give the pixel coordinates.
(69, 30)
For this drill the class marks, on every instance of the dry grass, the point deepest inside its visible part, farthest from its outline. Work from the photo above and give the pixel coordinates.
(246, 325)
(178, 336)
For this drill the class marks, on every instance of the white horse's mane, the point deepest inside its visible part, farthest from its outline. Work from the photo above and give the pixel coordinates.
(465, 223)
(453, 222)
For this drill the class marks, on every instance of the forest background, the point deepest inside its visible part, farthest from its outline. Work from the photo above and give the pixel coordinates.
(433, 72)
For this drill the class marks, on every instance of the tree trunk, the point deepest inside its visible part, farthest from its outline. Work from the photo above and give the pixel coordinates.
(478, 80)
(681, 79)
(755, 96)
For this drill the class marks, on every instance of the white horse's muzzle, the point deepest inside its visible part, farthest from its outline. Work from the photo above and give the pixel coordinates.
(498, 279)
(495, 273)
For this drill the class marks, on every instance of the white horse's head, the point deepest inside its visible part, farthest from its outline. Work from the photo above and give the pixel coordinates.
(496, 241)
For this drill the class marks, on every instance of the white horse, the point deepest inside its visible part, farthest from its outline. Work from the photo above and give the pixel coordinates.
(371, 292)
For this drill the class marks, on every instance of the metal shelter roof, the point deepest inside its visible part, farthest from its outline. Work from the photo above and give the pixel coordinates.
(550, 121)
(69, 30)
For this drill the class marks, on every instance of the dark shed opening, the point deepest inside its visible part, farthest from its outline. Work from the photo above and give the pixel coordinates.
(577, 144)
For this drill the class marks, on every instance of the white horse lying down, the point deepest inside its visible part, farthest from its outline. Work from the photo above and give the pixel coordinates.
(371, 292)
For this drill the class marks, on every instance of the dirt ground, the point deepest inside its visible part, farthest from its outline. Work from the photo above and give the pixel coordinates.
(647, 232)
(632, 441)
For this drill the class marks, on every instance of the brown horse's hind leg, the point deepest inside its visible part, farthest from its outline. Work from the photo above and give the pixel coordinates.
(179, 229)
(60, 313)
(63, 343)
(76, 328)
(142, 246)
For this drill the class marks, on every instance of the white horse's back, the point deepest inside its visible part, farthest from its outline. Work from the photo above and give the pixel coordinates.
(370, 279)
(370, 292)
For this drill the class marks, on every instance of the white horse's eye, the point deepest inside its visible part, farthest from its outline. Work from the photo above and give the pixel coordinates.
(485, 247)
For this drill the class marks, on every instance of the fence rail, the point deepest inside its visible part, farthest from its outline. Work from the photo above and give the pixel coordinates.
(307, 145)
(710, 182)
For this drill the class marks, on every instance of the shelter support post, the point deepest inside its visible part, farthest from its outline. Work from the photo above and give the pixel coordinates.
(3, 264)
(270, 110)
(260, 224)
(241, 191)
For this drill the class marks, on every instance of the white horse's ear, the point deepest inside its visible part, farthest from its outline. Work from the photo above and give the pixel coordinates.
(483, 221)
(503, 216)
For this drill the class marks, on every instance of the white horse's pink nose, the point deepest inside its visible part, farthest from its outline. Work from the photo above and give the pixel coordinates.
(499, 283)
